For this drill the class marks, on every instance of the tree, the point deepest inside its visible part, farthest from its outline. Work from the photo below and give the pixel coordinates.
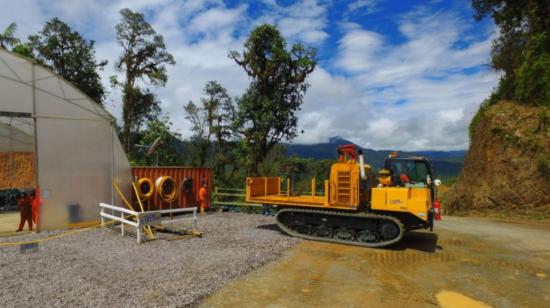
(214, 119)
(146, 108)
(144, 58)
(200, 139)
(166, 153)
(68, 54)
(522, 50)
(267, 110)
(219, 117)
(8, 36)
(24, 50)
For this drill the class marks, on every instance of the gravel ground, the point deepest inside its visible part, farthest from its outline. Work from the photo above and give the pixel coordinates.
(101, 268)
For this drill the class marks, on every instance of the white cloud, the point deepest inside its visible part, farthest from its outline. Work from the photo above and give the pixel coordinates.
(303, 21)
(368, 6)
(409, 95)
(357, 50)
(413, 95)
(216, 19)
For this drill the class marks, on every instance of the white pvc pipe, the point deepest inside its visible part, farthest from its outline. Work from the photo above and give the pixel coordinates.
(362, 166)
(119, 219)
(118, 209)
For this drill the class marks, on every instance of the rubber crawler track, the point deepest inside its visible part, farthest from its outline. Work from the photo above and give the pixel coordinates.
(341, 214)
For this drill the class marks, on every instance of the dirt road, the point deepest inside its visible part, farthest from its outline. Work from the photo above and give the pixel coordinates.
(466, 262)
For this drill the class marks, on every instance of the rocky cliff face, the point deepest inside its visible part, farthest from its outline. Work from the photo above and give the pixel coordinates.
(507, 169)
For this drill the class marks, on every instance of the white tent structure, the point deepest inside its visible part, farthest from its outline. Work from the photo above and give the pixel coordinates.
(72, 140)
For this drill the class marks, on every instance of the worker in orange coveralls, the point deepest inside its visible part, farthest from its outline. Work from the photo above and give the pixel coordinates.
(203, 196)
(35, 204)
(25, 211)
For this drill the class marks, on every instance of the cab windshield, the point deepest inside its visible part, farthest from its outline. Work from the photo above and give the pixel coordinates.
(408, 172)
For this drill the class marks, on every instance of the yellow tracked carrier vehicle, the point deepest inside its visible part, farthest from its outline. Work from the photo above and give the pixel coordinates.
(352, 210)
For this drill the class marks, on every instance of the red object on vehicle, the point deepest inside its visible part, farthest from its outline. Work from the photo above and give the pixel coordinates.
(405, 178)
(437, 208)
(347, 152)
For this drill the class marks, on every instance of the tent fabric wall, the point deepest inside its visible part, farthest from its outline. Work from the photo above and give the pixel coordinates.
(78, 151)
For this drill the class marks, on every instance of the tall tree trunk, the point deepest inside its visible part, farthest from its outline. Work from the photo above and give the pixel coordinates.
(127, 118)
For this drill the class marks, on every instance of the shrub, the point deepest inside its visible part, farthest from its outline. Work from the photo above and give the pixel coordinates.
(543, 167)
(544, 120)
(532, 83)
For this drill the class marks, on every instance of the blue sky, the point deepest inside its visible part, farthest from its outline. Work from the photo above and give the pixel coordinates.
(405, 75)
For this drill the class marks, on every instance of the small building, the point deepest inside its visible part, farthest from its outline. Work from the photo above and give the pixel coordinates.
(54, 137)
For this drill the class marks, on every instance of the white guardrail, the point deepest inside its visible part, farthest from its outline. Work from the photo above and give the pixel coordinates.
(144, 218)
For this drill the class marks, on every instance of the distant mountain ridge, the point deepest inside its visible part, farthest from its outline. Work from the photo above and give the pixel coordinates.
(445, 163)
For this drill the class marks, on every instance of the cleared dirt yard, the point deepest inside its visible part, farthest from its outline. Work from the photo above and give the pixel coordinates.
(496, 263)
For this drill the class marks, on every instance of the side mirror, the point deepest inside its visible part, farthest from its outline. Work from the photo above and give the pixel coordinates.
(437, 182)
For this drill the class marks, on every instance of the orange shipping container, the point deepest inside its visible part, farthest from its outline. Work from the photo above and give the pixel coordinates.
(178, 174)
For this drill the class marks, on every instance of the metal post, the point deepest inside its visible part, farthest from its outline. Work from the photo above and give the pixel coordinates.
(36, 161)
(288, 187)
(217, 199)
(194, 218)
(113, 132)
(138, 230)
(121, 224)
(327, 193)
(102, 218)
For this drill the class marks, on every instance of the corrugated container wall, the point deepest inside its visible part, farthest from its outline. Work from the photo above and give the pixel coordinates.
(178, 174)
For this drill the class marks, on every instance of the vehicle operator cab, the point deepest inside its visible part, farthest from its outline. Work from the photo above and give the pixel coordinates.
(415, 172)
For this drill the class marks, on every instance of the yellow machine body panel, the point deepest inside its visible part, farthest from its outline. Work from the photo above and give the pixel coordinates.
(344, 185)
(414, 200)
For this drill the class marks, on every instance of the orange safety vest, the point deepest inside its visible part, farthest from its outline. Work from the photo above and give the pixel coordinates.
(35, 204)
(202, 197)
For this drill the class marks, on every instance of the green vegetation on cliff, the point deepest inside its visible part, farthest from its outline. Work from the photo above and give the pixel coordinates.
(522, 49)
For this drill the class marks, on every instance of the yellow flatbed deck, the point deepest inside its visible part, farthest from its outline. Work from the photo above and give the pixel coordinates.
(267, 190)
(290, 200)
(302, 201)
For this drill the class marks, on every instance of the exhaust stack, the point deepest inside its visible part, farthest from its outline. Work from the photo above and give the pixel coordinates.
(362, 166)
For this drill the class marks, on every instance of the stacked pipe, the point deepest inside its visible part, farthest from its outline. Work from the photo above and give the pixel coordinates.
(166, 188)
(145, 188)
